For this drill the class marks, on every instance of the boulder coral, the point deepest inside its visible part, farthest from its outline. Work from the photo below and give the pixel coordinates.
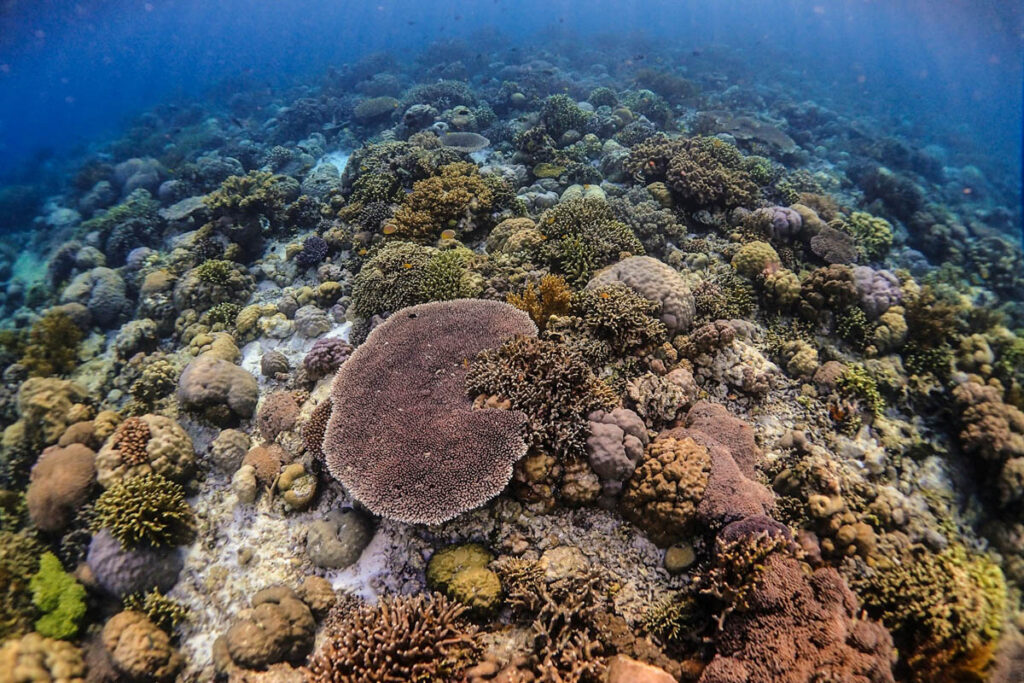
(656, 281)
(143, 445)
(403, 437)
(139, 650)
(278, 627)
(60, 483)
(219, 391)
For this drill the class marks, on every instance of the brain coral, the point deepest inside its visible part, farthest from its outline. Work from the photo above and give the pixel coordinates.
(102, 291)
(403, 436)
(60, 484)
(656, 281)
(220, 391)
(140, 445)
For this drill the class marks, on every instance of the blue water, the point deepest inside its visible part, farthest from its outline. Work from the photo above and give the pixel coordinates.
(73, 72)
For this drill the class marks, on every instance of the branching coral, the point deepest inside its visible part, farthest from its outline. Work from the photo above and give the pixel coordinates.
(421, 638)
(547, 381)
(145, 510)
(873, 234)
(163, 611)
(52, 346)
(945, 610)
(583, 236)
(19, 560)
(551, 297)
(702, 172)
(259, 193)
(458, 199)
(619, 317)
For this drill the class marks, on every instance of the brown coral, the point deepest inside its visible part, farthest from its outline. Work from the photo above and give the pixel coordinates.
(277, 628)
(417, 638)
(130, 439)
(35, 659)
(277, 413)
(141, 445)
(139, 649)
(403, 437)
(60, 484)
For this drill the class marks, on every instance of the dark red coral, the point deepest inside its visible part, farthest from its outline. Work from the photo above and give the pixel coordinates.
(403, 436)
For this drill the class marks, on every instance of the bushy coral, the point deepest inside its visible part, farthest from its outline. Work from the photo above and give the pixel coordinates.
(419, 638)
(457, 198)
(873, 234)
(163, 611)
(547, 381)
(702, 172)
(617, 316)
(551, 297)
(59, 598)
(583, 236)
(19, 560)
(756, 258)
(258, 193)
(560, 114)
(145, 510)
(945, 609)
(53, 344)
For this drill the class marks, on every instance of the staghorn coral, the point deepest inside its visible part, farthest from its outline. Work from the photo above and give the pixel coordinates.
(419, 638)
(164, 612)
(258, 193)
(145, 510)
(211, 283)
(547, 381)
(403, 437)
(582, 236)
(552, 297)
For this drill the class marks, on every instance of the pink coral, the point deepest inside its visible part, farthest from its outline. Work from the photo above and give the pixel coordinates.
(403, 437)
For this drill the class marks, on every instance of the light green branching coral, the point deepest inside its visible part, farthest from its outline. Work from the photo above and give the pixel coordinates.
(145, 510)
(161, 610)
(59, 597)
(855, 382)
(874, 234)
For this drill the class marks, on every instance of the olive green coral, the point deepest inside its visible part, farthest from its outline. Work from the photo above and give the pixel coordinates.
(19, 560)
(619, 317)
(945, 610)
(874, 234)
(583, 236)
(458, 199)
(163, 611)
(756, 258)
(256, 193)
(52, 346)
(461, 573)
(145, 510)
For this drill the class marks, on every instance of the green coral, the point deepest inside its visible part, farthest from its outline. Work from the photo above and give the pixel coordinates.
(404, 274)
(560, 113)
(619, 317)
(702, 172)
(461, 573)
(548, 381)
(855, 382)
(145, 510)
(584, 236)
(19, 560)
(138, 205)
(223, 314)
(650, 104)
(756, 258)
(258, 193)
(853, 326)
(725, 296)
(945, 610)
(215, 272)
(59, 598)
(159, 378)
(603, 97)
(874, 234)
(52, 346)
(163, 611)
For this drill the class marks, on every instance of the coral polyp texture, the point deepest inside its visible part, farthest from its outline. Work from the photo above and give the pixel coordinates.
(403, 436)
(580, 358)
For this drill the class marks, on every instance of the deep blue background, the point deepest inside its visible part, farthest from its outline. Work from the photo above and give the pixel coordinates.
(71, 72)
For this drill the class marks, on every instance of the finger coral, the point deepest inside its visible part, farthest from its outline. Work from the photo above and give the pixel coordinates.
(403, 437)
(145, 510)
(423, 637)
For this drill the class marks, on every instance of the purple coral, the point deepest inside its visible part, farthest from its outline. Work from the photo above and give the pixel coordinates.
(314, 250)
(326, 356)
(878, 290)
(403, 437)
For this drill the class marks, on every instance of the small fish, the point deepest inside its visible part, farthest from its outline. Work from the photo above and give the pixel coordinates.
(407, 266)
(390, 229)
(448, 234)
